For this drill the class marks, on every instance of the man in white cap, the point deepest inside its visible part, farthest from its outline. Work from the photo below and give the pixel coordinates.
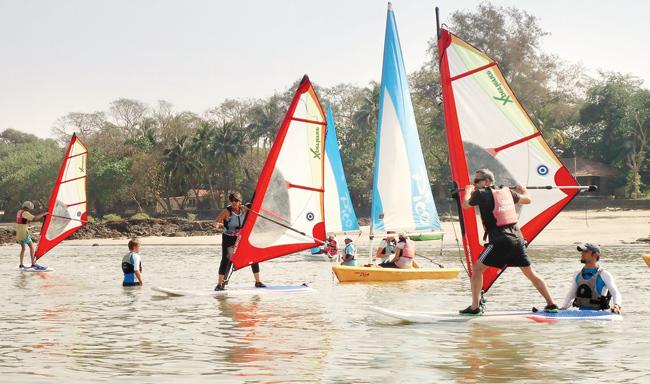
(349, 252)
(593, 287)
(23, 218)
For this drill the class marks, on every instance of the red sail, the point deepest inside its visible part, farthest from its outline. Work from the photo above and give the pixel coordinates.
(488, 128)
(287, 213)
(67, 207)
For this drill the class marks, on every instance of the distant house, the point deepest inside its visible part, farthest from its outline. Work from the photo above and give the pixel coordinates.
(589, 172)
(193, 201)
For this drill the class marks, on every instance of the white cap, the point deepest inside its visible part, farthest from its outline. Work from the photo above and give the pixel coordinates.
(29, 205)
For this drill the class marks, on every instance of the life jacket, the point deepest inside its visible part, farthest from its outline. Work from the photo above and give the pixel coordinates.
(234, 223)
(127, 267)
(332, 248)
(20, 219)
(409, 249)
(588, 295)
(504, 211)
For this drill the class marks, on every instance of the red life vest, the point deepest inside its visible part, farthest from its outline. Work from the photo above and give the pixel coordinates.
(332, 248)
(20, 219)
(504, 211)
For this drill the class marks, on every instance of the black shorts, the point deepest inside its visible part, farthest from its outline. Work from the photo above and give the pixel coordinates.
(505, 249)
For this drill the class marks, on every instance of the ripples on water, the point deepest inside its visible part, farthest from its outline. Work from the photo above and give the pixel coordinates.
(77, 324)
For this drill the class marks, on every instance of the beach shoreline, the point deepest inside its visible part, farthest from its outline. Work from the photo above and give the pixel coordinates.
(605, 227)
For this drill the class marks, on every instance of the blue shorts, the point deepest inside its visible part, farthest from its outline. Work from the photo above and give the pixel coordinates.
(26, 241)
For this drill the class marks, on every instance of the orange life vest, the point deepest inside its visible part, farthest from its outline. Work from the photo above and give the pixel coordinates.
(504, 211)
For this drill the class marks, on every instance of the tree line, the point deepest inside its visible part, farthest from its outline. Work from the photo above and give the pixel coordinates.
(142, 154)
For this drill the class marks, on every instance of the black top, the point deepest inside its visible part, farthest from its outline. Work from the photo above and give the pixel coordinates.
(485, 200)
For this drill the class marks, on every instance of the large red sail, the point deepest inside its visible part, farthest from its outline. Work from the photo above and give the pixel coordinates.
(488, 128)
(287, 213)
(67, 207)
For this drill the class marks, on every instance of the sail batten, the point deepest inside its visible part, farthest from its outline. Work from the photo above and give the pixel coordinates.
(287, 212)
(401, 199)
(488, 128)
(67, 207)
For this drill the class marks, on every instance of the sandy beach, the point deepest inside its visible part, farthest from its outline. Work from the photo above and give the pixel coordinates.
(606, 227)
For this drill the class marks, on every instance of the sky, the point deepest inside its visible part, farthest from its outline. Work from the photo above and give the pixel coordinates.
(61, 56)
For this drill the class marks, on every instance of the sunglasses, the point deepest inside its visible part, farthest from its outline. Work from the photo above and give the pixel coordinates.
(478, 180)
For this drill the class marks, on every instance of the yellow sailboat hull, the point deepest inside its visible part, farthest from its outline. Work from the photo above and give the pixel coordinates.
(346, 274)
(646, 258)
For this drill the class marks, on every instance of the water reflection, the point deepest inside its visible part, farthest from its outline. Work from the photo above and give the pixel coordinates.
(79, 324)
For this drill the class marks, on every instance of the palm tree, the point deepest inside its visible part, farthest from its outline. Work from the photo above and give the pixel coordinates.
(366, 117)
(180, 165)
(227, 147)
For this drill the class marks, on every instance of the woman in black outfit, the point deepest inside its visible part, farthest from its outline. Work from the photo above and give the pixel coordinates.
(231, 219)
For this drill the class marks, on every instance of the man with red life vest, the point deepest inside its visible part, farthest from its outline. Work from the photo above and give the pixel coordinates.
(506, 246)
(23, 218)
(404, 254)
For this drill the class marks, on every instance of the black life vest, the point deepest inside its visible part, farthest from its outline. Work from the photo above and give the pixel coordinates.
(588, 295)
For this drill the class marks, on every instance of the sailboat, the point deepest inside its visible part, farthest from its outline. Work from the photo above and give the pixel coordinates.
(340, 218)
(401, 198)
(488, 128)
(67, 207)
(287, 212)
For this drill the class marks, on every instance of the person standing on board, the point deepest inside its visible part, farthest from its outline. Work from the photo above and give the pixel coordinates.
(592, 287)
(349, 253)
(132, 265)
(386, 247)
(506, 246)
(23, 218)
(231, 219)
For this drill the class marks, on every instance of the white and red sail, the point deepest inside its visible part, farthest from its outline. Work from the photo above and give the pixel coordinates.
(287, 212)
(67, 207)
(488, 128)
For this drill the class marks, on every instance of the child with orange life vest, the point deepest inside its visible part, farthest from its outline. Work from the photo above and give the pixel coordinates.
(23, 218)
(506, 245)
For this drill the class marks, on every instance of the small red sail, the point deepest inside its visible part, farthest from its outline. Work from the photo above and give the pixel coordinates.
(287, 212)
(488, 128)
(67, 207)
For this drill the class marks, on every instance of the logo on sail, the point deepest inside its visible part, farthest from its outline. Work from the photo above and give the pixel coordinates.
(503, 96)
(316, 150)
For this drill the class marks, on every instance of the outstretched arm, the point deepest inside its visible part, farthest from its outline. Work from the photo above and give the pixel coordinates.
(524, 197)
(218, 222)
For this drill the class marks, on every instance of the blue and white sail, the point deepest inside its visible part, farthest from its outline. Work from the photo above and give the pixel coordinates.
(401, 195)
(339, 211)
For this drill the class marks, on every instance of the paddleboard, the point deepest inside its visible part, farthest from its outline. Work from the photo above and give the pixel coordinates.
(539, 317)
(30, 269)
(237, 291)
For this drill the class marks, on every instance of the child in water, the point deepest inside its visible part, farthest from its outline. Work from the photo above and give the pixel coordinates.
(132, 265)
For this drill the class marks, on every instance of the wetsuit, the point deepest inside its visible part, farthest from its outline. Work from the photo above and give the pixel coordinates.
(506, 246)
(232, 226)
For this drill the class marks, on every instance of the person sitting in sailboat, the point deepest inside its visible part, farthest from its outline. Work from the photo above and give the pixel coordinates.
(330, 248)
(404, 254)
(23, 218)
(349, 253)
(231, 220)
(386, 247)
(506, 246)
(593, 287)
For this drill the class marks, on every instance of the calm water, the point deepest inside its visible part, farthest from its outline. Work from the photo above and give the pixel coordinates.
(77, 324)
